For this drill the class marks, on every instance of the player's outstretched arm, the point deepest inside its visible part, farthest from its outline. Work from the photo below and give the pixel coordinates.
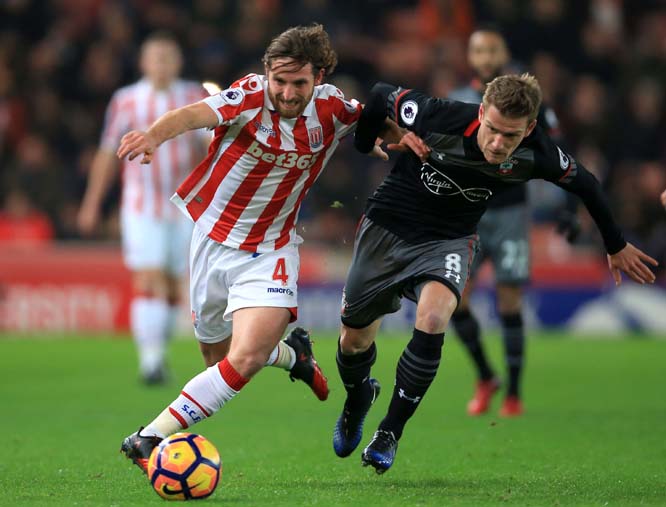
(102, 174)
(195, 116)
(632, 261)
(663, 198)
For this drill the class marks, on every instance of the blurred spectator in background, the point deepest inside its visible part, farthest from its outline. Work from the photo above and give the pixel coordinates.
(155, 234)
(504, 241)
(601, 64)
(21, 224)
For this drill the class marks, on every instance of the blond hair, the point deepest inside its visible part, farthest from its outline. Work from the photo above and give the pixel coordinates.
(514, 96)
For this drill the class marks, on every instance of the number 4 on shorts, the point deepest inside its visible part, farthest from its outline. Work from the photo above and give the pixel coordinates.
(280, 272)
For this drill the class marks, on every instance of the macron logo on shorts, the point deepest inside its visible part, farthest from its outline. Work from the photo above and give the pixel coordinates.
(280, 290)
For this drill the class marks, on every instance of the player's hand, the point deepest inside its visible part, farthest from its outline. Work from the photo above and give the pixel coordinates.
(137, 143)
(663, 198)
(632, 262)
(87, 219)
(377, 150)
(568, 225)
(410, 141)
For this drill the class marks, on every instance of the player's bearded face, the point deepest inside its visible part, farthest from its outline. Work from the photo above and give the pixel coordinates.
(500, 135)
(290, 86)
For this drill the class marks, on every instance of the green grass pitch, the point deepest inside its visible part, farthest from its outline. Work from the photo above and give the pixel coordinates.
(594, 432)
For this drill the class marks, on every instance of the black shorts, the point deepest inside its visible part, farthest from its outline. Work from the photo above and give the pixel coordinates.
(385, 268)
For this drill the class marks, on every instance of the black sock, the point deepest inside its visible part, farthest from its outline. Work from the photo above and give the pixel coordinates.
(514, 349)
(416, 370)
(467, 328)
(355, 374)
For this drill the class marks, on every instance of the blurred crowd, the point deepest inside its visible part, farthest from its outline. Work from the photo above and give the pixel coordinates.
(601, 64)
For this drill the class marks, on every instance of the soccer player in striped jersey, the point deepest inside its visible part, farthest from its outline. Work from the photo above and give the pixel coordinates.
(273, 135)
(155, 236)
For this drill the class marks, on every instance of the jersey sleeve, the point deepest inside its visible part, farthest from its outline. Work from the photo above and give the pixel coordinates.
(346, 113)
(410, 109)
(117, 121)
(554, 164)
(243, 95)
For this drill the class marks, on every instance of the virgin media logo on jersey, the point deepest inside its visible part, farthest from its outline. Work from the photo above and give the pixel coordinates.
(440, 184)
(286, 159)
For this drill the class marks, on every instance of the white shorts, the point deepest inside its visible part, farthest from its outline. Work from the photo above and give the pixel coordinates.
(149, 243)
(225, 279)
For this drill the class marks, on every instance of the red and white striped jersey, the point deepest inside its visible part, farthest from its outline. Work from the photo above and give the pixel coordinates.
(147, 188)
(247, 192)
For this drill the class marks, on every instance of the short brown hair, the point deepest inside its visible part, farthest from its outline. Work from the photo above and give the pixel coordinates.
(304, 44)
(514, 96)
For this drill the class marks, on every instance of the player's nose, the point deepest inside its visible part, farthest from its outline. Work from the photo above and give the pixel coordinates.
(289, 93)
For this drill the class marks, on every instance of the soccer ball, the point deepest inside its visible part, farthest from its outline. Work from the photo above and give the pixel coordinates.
(184, 466)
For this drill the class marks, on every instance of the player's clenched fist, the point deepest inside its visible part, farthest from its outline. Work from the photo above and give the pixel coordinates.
(137, 143)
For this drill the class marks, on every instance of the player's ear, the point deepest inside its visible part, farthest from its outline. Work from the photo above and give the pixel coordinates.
(530, 127)
(319, 77)
(481, 112)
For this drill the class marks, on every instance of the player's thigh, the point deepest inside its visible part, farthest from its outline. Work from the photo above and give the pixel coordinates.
(143, 240)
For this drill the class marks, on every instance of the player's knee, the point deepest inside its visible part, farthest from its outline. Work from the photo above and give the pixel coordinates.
(354, 341)
(249, 363)
(509, 299)
(431, 321)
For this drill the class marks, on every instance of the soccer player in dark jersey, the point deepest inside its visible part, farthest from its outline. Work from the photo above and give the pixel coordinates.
(418, 236)
(503, 234)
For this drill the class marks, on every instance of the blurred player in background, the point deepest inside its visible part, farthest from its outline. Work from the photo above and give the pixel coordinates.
(274, 134)
(418, 236)
(155, 235)
(504, 240)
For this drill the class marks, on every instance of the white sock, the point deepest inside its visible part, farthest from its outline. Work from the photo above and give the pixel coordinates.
(283, 356)
(149, 318)
(201, 397)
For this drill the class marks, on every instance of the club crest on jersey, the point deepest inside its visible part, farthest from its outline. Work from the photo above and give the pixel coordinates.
(506, 167)
(233, 96)
(316, 137)
(408, 112)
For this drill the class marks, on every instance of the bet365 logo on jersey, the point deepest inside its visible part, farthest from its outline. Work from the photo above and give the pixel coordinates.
(287, 159)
